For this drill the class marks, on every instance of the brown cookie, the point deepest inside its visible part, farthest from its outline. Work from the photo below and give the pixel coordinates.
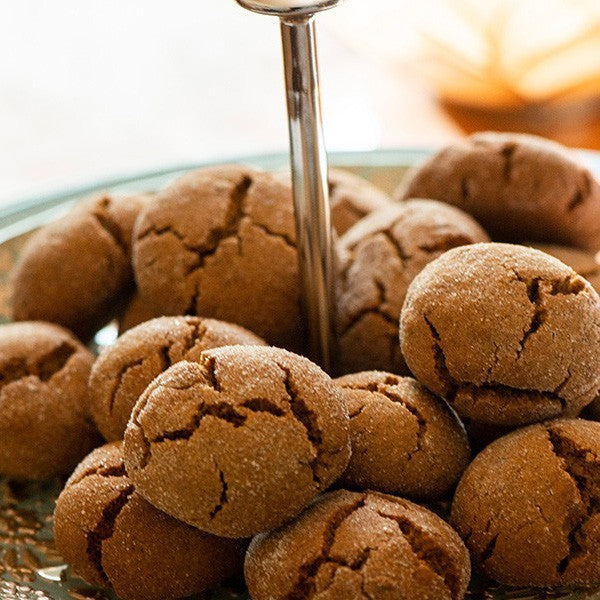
(112, 537)
(381, 256)
(138, 311)
(405, 440)
(528, 505)
(239, 442)
(351, 546)
(124, 370)
(352, 198)
(586, 264)
(519, 187)
(583, 262)
(45, 427)
(507, 334)
(77, 271)
(220, 243)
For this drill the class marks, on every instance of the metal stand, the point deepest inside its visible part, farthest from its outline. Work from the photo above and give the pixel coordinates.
(309, 167)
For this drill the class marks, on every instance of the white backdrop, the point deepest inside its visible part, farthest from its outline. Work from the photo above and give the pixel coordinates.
(93, 89)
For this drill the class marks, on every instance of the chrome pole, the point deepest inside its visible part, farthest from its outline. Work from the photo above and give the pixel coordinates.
(308, 159)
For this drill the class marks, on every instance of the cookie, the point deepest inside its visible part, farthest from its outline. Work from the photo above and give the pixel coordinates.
(76, 272)
(380, 257)
(528, 505)
(405, 440)
(124, 370)
(138, 311)
(519, 187)
(351, 545)
(45, 427)
(112, 537)
(586, 264)
(221, 243)
(351, 197)
(238, 442)
(507, 334)
(583, 262)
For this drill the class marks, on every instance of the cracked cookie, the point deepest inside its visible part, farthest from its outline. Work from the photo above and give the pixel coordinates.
(77, 271)
(124, 370)
(138, 311)
(221, 243)
(528, 505)
(113, 538)
(519, 187)
(351, 197)
(404, 440)
(586, 264)
(239, 442)
(507, 334)
(380, 257)
(45, 428)
(357, 546)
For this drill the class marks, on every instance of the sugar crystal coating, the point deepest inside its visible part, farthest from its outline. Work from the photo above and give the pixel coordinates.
(351, 545)
(112, 537)
(255, 432)
(405, 440)
(527, 506)
(519, 187)
(380, 257)
(123, 371)
(45, 425)
(507, 334)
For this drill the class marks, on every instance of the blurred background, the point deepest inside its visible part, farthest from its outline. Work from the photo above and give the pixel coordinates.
(96, 89)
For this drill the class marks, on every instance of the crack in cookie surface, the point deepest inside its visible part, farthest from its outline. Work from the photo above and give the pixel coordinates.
(223, 498)
(105, 529)
(101, 470)
(111, 227)
(308, 419)
(426, 549)
(382, 388)
(469, 394)
(583, 467)
(305, 586)
(44, 368)
(118, 381)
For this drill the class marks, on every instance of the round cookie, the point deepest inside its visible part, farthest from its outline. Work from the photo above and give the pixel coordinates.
(45, 428)
(583, 262)
(255, 432)
(77, 271)
(138, 311)
(124, 370)
(221, 243)
(381, 256)
(519, 187)
(527, 506)
(507, 334)
(351, 198)
(112, 537)
(586, 264)
(350, 546)
(404, 440)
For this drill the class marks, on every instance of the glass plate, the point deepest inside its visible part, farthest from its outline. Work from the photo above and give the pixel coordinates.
(30, 567)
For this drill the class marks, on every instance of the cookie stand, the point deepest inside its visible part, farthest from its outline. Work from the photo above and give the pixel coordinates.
(308, 165)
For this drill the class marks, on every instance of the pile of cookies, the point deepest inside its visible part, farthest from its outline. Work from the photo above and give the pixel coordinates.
(202, 444)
